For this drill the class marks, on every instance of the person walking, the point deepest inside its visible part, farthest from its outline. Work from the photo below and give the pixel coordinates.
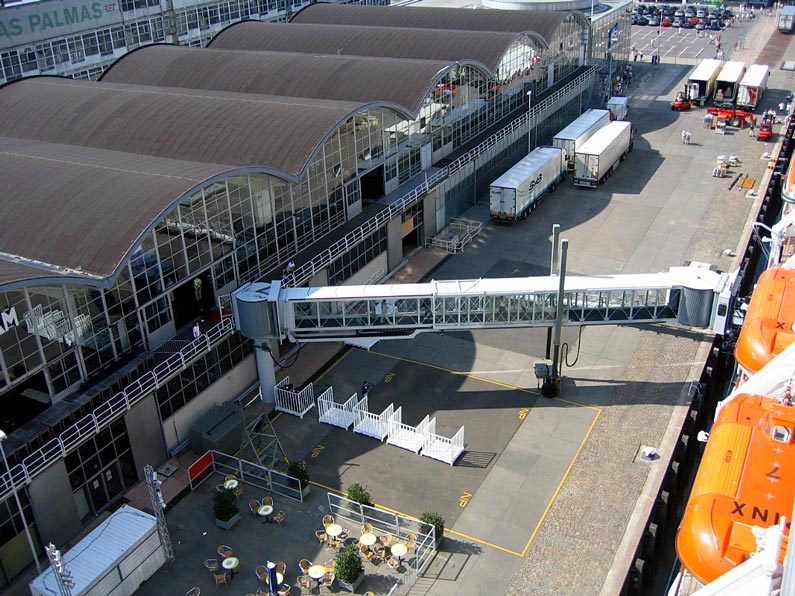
(197, 330)
(365, 389)
(684, 135)
(687, 137)
(197, 289)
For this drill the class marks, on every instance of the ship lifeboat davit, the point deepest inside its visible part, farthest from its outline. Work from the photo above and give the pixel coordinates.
(746, 478)
(768, 326)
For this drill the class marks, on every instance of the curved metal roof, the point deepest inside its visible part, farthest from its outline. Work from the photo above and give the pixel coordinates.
(344, 78)
(235, 129)
(394, 42)
(543, 22)
(96, 202)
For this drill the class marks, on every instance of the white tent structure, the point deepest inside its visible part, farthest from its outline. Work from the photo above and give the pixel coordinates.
(112, 560)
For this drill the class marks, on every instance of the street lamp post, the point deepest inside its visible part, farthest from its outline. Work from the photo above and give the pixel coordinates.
(529, 121)
(3, 437)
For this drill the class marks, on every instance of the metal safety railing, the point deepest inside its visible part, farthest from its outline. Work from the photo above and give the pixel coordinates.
(307, 270)
(106, 413)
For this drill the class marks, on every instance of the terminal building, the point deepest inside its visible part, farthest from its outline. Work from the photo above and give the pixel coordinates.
(145, 198)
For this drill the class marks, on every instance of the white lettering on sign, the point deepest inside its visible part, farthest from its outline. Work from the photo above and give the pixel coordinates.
(8, 319)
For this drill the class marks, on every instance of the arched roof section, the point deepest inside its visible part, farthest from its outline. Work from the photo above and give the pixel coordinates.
(216, 127)
(98, 203)
(394, 42)
(342, 78)
(543, 22)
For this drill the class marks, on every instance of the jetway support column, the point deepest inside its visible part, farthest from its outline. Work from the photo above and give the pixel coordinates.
(266, 372)
(551, 387)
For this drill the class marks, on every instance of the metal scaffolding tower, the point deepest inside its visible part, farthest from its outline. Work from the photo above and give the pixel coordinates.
(153, 483)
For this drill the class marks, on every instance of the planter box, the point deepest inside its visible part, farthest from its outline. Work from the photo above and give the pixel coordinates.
(227, 525)
(351, 587)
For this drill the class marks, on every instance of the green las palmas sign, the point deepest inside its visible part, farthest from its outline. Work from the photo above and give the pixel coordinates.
(30, 23)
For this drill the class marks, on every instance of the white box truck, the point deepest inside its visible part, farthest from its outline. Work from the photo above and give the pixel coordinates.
(701, 83)
(619, 106)
(727, 84)
(752, 86)
(516, 193)
(602, 153)
(579, 131)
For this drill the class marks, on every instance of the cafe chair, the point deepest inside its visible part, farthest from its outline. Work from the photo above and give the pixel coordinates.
(211, 564)
(369, 594)
(281, 567)
(225, 552)
(229, 477)
(380, 553)
(367, 528)
(305, 564)
(386, 540)
(366, 552)
(220, 488)
(333, 542)
(238, 490)
(330, 565)
(196, 591)
(279, 518)
(321, 536)
(328, 520)
(328, 581)
(262, 575)
(411, 543)
(392, 562)
(267, 500)
(220, 578)
(305, 581)
(284, 590)
(254, 505)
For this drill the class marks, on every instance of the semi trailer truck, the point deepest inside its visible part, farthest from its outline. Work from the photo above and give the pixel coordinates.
(579, 131)
(599, 157)
(516, 193)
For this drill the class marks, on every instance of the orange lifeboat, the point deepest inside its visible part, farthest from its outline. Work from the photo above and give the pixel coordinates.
(768, 326)
(746, 478)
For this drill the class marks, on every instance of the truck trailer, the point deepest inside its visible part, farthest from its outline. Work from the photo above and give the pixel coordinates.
(752, 86)
(579, 131)
(701, 83)
(516, 193)
(598, 158)
(618, 106)
(727, 84)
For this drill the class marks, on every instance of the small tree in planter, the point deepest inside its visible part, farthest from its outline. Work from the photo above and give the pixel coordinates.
(360, 494)
(349, 569)
(429, 519)
(297, 469)
(225, 509)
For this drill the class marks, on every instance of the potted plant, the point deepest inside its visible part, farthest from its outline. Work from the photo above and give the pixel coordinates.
(225, 509)
(298, 470)
(360, 494)
(429, 519)
(349, 569)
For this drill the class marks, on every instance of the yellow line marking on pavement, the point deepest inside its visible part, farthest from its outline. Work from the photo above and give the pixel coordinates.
(555, 494)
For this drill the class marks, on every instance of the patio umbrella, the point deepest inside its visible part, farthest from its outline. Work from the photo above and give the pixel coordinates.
(273, 583)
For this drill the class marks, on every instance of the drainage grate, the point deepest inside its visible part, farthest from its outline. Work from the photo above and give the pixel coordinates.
(475, 459)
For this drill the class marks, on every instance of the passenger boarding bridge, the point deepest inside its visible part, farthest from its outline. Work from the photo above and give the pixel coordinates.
(266, 312)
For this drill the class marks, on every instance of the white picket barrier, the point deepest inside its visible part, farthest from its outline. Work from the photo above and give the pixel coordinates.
(289, 401)
(330, 412)
(370, 424)
(442, 448)
(408, 437)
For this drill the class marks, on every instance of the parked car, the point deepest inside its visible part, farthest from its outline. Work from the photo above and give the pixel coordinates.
(654, 22)
(642, 21)
(666, 22)
(687, 25)
(700, 26)
(714, 25)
